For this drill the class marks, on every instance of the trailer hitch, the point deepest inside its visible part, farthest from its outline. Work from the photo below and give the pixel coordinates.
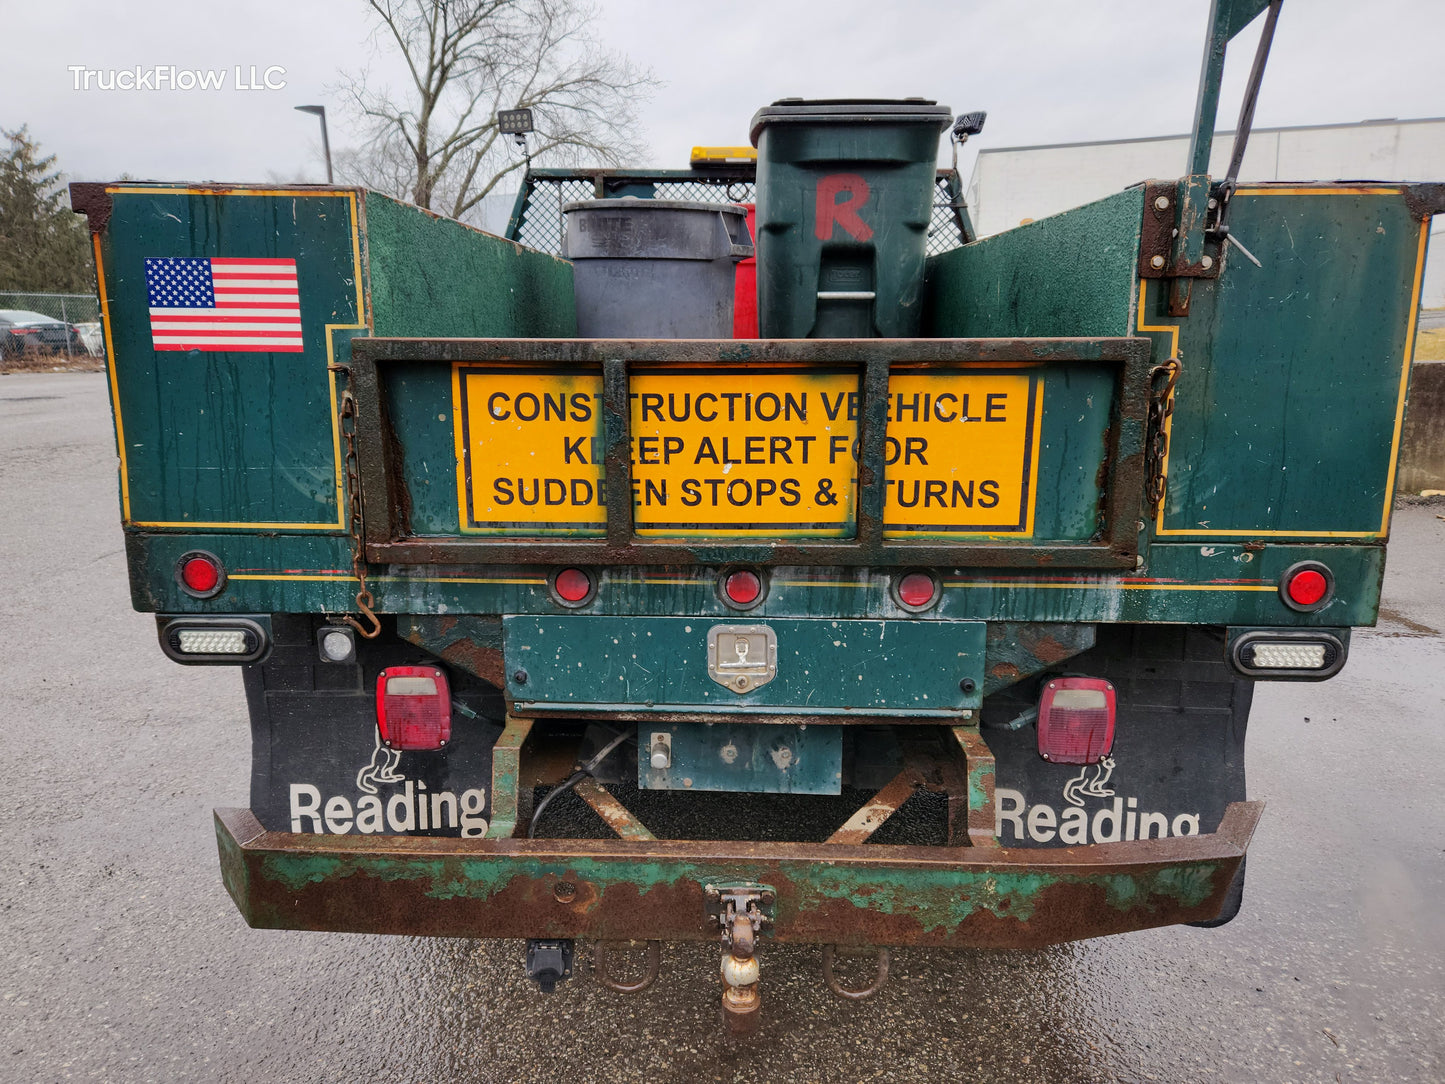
(741, 911)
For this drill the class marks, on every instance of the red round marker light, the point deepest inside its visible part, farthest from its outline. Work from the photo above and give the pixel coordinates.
(572, 585)
(200, 575)
(1307, 587)
(743, 588)
(916, 589)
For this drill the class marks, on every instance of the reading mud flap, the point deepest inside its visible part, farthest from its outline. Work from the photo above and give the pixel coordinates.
(830, 893)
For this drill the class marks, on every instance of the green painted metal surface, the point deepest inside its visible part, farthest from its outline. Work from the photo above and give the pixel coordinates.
(1226, 19)
(1281, 438)
(192, 456)
(647, 664)
(229, 438)
(433, 276)
(1211, 583)
(754, 760)
(1287, 412)
(1069, 274)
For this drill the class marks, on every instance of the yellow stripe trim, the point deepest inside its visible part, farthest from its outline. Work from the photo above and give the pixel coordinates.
(289, 578)
(340, 524)
(1034, 457)
(1335, 191)
(114, 381)
(226, 190)
(1409, 360)
(1066, 585)
(537, 582)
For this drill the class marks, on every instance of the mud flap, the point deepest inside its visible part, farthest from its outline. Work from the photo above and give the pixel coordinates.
(1178, 756)
(318, 765)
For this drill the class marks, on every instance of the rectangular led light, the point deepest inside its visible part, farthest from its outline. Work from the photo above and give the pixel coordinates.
(1285, 656)
(1288, 654)
(514, 121)
(214, 642)
(204, 640)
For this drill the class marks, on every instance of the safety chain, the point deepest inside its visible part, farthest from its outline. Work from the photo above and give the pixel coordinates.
(1161, 406)
(364, 600)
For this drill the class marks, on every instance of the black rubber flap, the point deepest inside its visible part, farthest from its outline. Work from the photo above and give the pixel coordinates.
(850, 111)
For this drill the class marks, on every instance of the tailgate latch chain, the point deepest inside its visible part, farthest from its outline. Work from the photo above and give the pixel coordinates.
(364, 600)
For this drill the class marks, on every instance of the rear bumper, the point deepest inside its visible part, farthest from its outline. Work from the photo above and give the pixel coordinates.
(870, 894)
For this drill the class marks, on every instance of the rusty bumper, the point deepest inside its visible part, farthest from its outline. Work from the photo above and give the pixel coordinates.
(839, 893)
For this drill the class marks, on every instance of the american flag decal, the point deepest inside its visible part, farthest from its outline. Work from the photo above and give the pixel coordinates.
(201, 303)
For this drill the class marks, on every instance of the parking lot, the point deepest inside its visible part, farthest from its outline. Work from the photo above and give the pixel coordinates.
(124, 960)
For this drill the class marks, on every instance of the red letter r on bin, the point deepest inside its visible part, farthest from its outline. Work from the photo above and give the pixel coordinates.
(830, 212)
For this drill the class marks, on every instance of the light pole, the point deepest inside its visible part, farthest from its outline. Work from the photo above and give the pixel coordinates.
(320, 111)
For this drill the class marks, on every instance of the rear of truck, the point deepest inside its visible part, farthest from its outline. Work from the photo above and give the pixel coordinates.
(848, 635)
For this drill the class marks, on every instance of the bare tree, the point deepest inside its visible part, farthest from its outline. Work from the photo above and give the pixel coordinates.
(437, 142)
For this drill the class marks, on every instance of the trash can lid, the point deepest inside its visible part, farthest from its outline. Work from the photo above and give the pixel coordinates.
(631, 203)
(850, 111)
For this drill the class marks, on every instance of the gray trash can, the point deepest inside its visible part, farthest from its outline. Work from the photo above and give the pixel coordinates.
(654, 269)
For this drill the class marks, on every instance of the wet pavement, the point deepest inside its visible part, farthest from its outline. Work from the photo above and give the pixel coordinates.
(124, 960)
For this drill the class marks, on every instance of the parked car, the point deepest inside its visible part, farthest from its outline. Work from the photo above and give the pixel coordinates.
(21, 330)
(92, 338)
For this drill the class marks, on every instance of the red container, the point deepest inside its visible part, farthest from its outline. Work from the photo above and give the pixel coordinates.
(745, 300)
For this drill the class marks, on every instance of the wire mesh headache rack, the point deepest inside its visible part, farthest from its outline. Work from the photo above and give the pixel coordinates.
(537, 216)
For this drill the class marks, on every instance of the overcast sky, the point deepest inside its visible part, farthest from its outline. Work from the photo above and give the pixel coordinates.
(1046, 71)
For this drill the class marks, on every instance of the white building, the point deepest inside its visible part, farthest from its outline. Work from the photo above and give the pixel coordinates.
(1011, 184)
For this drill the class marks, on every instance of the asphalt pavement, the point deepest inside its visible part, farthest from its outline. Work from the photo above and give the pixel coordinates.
(124, 960)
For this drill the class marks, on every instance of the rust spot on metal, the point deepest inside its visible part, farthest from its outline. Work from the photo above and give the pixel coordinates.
(92, 200)
(616, 815)
(878, 809)
(848, 895)
(1005, 670)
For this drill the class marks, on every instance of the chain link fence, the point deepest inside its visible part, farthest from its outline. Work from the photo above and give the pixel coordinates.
(538, 222)
(82, 310)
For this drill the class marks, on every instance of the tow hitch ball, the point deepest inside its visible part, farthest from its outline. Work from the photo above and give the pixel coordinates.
(742, 911)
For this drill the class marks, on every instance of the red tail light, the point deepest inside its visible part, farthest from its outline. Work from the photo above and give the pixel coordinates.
(1307, 586)
(916, 590)
(743, 588)
(413, 707)
(200, 574)
(572, 585)
(1076, 720)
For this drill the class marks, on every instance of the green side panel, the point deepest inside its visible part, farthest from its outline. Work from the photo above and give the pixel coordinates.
(1286, 414)
(230, 438)
(1070, 274)
(661, 663)
(433, 276)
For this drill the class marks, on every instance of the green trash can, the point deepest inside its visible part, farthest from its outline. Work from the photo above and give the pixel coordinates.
(844, 199)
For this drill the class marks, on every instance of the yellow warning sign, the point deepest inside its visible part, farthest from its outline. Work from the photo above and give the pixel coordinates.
(962, 452)
(745, 451)
(529, 450)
